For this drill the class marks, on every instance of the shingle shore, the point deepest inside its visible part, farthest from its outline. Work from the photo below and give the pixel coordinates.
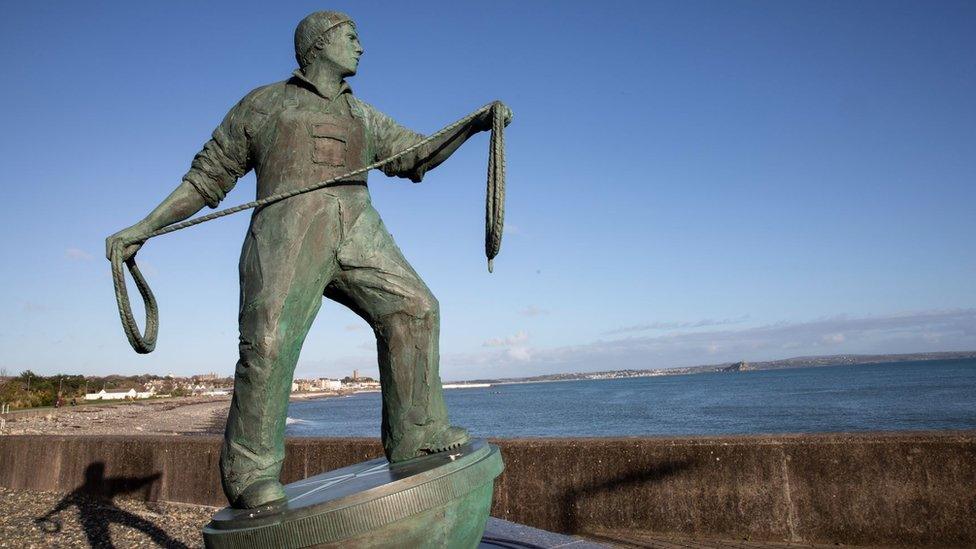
(164, 416)
(52, 519)
(160, 417)
(35, 519)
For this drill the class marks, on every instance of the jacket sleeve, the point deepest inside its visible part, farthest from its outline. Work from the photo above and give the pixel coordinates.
(224, 159)
(387, 138)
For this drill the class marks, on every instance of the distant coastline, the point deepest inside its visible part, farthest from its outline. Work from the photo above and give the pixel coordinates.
(733, 367)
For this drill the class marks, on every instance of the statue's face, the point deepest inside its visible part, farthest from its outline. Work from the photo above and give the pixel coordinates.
(343, 49)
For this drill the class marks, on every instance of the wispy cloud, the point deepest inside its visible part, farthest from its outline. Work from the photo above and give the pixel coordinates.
(77, 254)
(834, 338)
(942, 330)
(514, 355)
(513, 348)
(703, 323)
(533, 311)
(33, 307)
(520, 337)
(355, 327)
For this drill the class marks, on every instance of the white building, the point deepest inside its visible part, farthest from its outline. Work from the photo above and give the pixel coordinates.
(131, 393)
(330, 384)
(102, 395)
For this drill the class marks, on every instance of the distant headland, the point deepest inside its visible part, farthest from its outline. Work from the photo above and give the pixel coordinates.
(740, 366)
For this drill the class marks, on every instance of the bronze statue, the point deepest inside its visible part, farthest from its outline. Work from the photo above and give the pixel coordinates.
(306, 129)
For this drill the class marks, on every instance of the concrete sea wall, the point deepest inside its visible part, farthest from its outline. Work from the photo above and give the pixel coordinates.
(874, 489)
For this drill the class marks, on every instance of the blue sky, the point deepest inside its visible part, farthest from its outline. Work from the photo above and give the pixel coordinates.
(689, 182)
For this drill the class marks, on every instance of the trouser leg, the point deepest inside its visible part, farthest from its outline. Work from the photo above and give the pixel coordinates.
(282, 280)
(413, 400)
(377, 283)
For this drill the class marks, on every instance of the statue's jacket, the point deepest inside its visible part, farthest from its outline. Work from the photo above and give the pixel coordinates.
(294, 136)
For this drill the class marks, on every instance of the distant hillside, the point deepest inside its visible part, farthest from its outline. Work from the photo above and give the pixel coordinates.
(737, 367)
(795, 362)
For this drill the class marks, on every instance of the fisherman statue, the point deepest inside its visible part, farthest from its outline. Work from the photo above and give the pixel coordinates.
(301, 246)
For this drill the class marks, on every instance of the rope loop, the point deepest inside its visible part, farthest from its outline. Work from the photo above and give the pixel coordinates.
(494, 220)
(142, 343)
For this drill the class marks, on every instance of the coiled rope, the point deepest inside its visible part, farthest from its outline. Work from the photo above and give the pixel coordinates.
(494, 221)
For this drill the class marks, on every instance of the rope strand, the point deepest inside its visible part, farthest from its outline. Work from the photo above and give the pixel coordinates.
(494, 204)
(495, 199)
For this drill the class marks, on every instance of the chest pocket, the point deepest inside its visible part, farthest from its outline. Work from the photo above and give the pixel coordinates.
(329, 144)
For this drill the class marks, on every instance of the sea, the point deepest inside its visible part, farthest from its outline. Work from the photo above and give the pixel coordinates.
(938, 394)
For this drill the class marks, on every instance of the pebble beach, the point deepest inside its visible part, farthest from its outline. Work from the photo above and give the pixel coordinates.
(173, 416)
(52, 519)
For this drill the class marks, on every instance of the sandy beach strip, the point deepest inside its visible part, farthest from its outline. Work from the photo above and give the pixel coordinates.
(164, 416)
(171, 416)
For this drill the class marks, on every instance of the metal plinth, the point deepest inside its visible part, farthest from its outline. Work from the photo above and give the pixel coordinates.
(441, 500)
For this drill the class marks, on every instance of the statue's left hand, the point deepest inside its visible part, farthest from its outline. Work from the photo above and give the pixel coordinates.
(485, 120)
(507, 114)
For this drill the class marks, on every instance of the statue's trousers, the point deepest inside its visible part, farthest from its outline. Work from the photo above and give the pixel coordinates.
(332, 243)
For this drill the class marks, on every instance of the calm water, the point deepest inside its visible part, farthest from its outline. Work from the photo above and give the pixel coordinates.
(907, 395)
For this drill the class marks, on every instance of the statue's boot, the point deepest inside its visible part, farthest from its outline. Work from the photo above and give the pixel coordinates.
(414, 414)
(425, 440)
(428, 439)
(444, 439)
(261, 493)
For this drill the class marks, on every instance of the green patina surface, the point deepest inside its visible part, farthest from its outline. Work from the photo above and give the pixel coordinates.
(330, 243)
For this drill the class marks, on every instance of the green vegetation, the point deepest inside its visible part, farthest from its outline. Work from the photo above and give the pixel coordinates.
(361, 379)
(29, 390)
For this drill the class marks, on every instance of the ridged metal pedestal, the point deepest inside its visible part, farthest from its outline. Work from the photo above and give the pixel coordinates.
(441, 500)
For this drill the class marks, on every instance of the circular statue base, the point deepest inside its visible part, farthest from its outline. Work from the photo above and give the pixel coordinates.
(441, 500)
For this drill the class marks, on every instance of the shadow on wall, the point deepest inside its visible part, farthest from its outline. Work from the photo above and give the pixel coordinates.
(97, 511)
(570, 501)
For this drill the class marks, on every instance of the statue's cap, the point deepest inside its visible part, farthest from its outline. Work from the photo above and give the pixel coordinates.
(314, 26)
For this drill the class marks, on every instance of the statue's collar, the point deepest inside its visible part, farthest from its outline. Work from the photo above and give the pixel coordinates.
(343, 87)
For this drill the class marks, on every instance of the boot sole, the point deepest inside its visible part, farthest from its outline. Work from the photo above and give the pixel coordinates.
(446, 447)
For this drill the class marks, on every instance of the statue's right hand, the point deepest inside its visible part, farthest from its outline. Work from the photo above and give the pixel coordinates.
(132, 239)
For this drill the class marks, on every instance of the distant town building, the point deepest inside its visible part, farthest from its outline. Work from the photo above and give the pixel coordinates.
(130, 394)
(330, 384)
(312, 385)
(364, 384)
